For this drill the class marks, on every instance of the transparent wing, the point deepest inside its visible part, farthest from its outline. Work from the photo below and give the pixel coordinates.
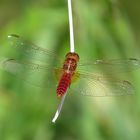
(87, 84)
(112, 66)
(99, 86)
(30, 50)
(38, 75)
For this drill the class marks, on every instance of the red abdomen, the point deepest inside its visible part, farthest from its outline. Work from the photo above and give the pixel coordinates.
(63, 84)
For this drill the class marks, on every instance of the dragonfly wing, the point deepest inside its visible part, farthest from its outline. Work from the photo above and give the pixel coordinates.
(98, 86)
(29, 50)
(38, 75)
(112, 66)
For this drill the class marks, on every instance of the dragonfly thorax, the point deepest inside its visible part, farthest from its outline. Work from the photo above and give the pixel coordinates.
(70, 62)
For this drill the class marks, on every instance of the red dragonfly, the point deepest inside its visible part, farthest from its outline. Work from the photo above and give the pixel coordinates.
(70, 74)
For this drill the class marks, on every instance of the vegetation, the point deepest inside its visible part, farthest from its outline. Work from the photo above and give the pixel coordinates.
(103, 29)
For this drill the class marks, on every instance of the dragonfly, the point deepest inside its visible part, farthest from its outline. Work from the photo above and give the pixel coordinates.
(70, 74)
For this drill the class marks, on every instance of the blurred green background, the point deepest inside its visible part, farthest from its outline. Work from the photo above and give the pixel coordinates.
(103, 29)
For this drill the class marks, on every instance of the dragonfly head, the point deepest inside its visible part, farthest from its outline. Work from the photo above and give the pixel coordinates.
(72, 55)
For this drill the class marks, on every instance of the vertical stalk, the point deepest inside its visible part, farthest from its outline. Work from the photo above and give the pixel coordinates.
(71, 50)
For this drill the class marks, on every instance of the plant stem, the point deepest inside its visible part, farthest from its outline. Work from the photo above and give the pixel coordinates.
(71, 50)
